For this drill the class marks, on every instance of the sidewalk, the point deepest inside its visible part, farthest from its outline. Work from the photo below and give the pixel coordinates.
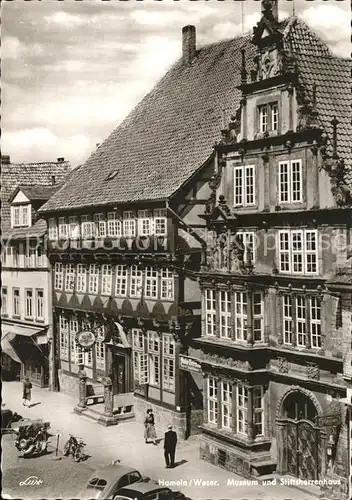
(125, 441)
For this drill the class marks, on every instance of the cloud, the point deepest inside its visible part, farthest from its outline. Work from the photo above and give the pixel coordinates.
(12, 48)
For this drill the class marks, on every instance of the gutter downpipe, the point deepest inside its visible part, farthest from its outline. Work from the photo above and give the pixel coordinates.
(191, 232)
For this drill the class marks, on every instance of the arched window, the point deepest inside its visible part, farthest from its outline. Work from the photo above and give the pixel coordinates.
(298, 406)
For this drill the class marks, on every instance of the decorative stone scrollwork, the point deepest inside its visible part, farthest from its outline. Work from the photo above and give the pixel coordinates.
(336, 169)
(270, 64)
(284, 365)
(313, 371)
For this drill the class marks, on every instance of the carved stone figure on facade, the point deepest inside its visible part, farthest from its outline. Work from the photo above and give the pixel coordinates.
(270, 64)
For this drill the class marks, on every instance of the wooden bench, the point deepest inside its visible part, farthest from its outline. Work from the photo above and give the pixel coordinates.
(95, 393)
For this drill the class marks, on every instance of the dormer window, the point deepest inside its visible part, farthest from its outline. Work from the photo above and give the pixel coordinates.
(21, 215)
(268, 116)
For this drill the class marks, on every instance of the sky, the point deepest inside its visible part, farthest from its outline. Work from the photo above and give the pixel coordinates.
(72, 70)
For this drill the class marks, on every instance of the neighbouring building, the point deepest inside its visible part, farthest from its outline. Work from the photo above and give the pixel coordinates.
(275, 345)
(26, 314)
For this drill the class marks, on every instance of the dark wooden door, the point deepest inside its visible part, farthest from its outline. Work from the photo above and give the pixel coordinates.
(302, 449)
(119, 375)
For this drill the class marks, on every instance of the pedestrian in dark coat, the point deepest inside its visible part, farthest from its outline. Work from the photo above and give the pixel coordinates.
(27, 392)
(149, 427)
(170, 441)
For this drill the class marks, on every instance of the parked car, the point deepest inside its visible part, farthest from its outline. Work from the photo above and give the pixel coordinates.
(7, 418)
(107, 481)
(149, 491)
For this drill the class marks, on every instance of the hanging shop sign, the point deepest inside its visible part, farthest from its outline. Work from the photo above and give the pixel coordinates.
(189, 364)
(86, 339)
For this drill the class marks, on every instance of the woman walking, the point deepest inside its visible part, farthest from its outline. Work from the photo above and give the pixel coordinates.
(149, 431)
(27, 392)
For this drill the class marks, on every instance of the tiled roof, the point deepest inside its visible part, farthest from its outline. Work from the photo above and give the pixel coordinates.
(28, 174)
(170, 133)
(37, 193)
(38, 229)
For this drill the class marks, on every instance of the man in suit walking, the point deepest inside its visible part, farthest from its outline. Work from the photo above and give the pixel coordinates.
(170, 441)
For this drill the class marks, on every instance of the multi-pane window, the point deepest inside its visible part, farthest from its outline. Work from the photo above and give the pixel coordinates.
(64, 337)
(247, 240)
(16, 311)
(87, 226)
(145, 226)
(100, 348)
(210, 312)
(241, 315)
(100, 225)
(301, 317)
(137, 339)
(315, 319)
(225, 315)
(29, 303)
(39, 302)
(63, 228)
(160, 226)
(21, 215)
(4, 300)
(69, 277)
(166, 284)
(121, 280)
(298, 251)
(168, 363)
(76, 350)
(106, 282)
(263, 118)
(258, 411)
(129, 224)
(25, 216)
(39, 257)
(114, 224)
(212, 400)
(93, 278)
(287, 319)
(244, 185)
(151, 283)
(242, 409)
(58, 276)
(73, 227)
(290, 182)
(136, 282)
(30, 255)
(81, 285)
(140, 358)
(53, 233)
(274, 109)
(154, 358)
(226, 405)
(258, 316)
(16, 217)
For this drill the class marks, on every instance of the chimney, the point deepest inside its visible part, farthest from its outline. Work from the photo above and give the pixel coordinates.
(61, 160)
(5, 159)
(270, 6)
(188, 44)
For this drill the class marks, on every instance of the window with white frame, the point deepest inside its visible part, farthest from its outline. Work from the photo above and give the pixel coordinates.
(298, 251)
(258, 316)
(81, 285)
(16, 216)
(274, 110)
(114, 225)
(154, 358)
(212, 400)
(87, 226)
(166, 284)
(39, 257)
(121, 281)
(20, 215)
(315, 318)
(290, 181)
(258, 411)
(39, 302)
(210, 312)
(129, 223)
(93, 278)
(69, 277)
(225, 314)
(263, 118)
(136, 282)
(25, 216)
(247, 239)
(106, 280)
(30, 255)
(76, 349)
(16, 308)
(168, 362)
(241, 315)
(140, 358)
(4, 305)
(151, 283)
(100, 225)
(287, 319)
(160, 221)
(226, 405)
(29, 303)
(301, 318)
(64, 337)
(58, 276)
(63, 228)
(137, 339)
(242, 409)
(53, 231)
(100, 348)
(73, 227)
(244, 185)
(145, 223)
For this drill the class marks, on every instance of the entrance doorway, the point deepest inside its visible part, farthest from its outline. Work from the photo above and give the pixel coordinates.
(301, 437)
(119, 374)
